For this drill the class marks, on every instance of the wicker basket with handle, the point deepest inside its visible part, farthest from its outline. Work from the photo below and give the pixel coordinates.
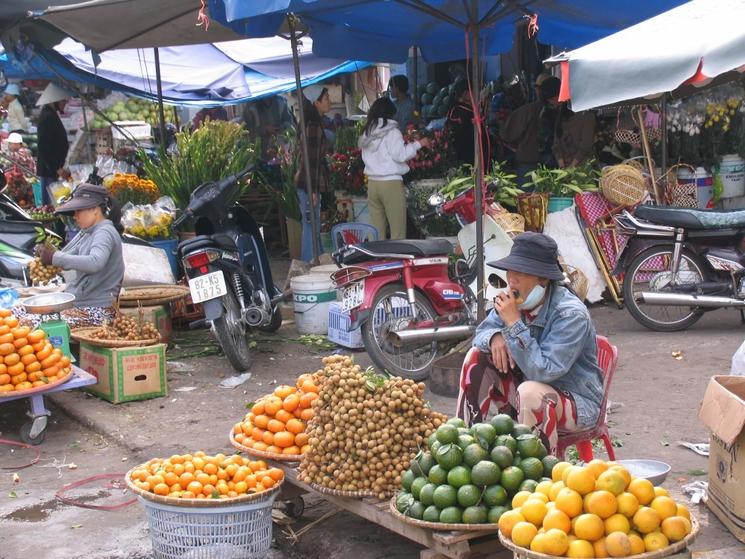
(512, 224)
(623, 185)
(680, 194)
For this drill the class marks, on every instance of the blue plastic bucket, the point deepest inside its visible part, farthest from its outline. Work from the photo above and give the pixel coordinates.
(169, 246)
(558, 203)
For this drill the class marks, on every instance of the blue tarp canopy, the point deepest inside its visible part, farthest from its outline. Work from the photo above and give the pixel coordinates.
(206, 75)
(383, 30)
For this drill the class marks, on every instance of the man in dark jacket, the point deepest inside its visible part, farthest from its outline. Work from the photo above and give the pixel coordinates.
(53, 143)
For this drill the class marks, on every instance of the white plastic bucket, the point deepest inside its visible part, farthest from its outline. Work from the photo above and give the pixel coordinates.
(704, 184)
(731, 171)
(311, 295)
(361, 211)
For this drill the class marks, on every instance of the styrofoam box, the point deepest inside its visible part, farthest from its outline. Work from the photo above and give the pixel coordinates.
(339, 333)
(133, 129)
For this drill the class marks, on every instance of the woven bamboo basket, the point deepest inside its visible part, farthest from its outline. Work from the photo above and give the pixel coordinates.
(84, 335)
(634, 138)
(578, 281)
(623, 185)
(534, 208)
(440, 525)
(150, 295)
(522, 553)
(678, 194)
(200, 503)
(339, 493)
(263, 453)
(512, 224)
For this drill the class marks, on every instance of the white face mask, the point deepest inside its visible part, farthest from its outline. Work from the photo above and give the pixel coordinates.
(533, 299)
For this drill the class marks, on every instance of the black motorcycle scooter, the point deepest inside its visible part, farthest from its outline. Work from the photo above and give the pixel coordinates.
(228, 269)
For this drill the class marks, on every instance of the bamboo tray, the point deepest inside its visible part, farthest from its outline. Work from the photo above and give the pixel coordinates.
(263, 453)
(200, 503)
(441, 525)
(522, 553)
(150, 295)
(83, 335)
(341, 493)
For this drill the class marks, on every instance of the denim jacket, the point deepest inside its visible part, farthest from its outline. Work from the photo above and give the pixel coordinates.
(557, 348)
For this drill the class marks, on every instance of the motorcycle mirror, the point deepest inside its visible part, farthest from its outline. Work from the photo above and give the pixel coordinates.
(496, 282)
(436, 199)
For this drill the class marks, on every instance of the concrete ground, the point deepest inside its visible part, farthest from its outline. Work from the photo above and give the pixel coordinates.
(655, 397)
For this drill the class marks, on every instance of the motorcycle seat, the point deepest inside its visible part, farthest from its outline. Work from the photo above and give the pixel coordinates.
(200, 241)
(692, 219)
(404, 247)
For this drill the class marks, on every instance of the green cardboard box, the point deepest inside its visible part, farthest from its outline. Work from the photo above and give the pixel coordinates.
(159, 315)
(126, 374)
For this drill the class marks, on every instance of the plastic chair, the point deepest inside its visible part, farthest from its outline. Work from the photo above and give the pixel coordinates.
(343, 234)
(608, 360)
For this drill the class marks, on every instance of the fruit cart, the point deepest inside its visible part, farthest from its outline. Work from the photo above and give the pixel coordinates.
(34, 430)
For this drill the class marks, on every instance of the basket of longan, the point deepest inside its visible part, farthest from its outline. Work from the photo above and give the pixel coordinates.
(123, 331)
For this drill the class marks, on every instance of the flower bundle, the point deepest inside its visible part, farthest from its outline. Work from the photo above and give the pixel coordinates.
(433, 161)
(127, 187)
(346, 170)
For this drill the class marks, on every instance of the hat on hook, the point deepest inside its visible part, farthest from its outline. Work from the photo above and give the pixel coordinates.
(51, 94)
(313, 92)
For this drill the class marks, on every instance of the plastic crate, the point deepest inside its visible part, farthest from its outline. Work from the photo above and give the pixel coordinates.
(339, 332)
(242, 530)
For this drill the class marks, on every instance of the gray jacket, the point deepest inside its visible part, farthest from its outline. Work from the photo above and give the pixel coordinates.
(557, 348)
(95, 255)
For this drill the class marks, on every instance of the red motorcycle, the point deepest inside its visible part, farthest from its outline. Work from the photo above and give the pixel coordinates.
(402, 296)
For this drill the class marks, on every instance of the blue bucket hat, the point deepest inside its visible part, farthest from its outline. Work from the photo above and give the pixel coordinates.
(535, 254)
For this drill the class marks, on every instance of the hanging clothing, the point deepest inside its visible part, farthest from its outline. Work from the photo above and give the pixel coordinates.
(53, 144)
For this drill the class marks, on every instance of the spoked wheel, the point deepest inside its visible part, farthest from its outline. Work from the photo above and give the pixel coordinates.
(232, 334)
(390, 313)
(651, 270)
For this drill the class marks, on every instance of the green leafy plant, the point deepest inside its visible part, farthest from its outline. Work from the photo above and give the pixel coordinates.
(565, 182)
(279, 181)
(500, 183)
(216, 150)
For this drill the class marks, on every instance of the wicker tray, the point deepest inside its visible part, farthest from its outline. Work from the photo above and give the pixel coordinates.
(150, 295)
(263, 453)
(36, 389)
(441, 525)
(340, 493)
(523, 553)
(83, 335)
(200, 503)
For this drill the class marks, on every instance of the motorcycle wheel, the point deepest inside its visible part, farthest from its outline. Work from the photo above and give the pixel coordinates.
(649, 268)
(232, 334)
(275, 323)
(412, 362)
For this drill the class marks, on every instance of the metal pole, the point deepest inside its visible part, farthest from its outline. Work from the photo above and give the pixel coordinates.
(303, 137)
(87, 133)
(478, 168)
(416, 78)
(159, 86)
(663, 139)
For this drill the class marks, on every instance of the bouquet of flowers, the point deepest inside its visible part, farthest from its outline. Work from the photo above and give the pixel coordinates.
(129, 188)
(346, 171)
(433, 161)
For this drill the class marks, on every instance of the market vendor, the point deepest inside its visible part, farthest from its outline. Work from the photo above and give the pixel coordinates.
(18, 155)
(535, 354)
(53, 143)
(94, 256)
(17, 121)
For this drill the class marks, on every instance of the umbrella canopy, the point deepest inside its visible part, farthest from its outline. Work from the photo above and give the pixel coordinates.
(676, 51)
(138, 23)
(384, 30)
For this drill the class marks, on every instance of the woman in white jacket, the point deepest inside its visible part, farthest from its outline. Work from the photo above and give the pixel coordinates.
(385, 155)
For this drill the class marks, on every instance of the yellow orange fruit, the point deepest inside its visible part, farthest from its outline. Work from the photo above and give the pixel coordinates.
(537, 543)
(661, 492)
(523, 533)
(647, 520)
(508, 520)
(558, 471)
(683, 511)
(534, 511)
(611, 480)
(519, 498)
(675, 528)
(655, 541)
(557, 519)
(617, 544)
(597, 467)
(637, 544)
(598, 546)
(569, 501)
(580, 549)
(665, 506)
(603, 503)
(617, 523)
(628, 504)
(589, 527)
(643, 490)
(555, 488)
(555, 542)
(544, 487)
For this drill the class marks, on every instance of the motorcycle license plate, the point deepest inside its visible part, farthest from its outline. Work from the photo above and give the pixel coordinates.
(206, 287)
(353, 296)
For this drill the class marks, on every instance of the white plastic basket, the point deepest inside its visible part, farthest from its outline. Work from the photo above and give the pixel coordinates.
(339, 328)
(242, 530)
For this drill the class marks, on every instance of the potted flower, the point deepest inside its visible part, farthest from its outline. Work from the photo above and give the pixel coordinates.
(562, 184)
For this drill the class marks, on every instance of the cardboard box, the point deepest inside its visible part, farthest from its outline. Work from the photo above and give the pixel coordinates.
(159, 315)
(723, 411)
(126, 374)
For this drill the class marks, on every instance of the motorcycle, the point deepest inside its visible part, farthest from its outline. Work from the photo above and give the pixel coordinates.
(228, 270)
(401, 294)
(679, 263)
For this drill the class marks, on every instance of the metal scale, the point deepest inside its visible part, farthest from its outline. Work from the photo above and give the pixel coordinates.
(49, 306)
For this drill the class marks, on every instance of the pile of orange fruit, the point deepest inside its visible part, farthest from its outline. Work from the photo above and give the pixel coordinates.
(198, 476)
(27, 358)
(277, 422)
(596, 510)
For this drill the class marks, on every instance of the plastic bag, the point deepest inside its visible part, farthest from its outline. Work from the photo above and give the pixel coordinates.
(58, 191)
(738, 362)
(149, 221)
